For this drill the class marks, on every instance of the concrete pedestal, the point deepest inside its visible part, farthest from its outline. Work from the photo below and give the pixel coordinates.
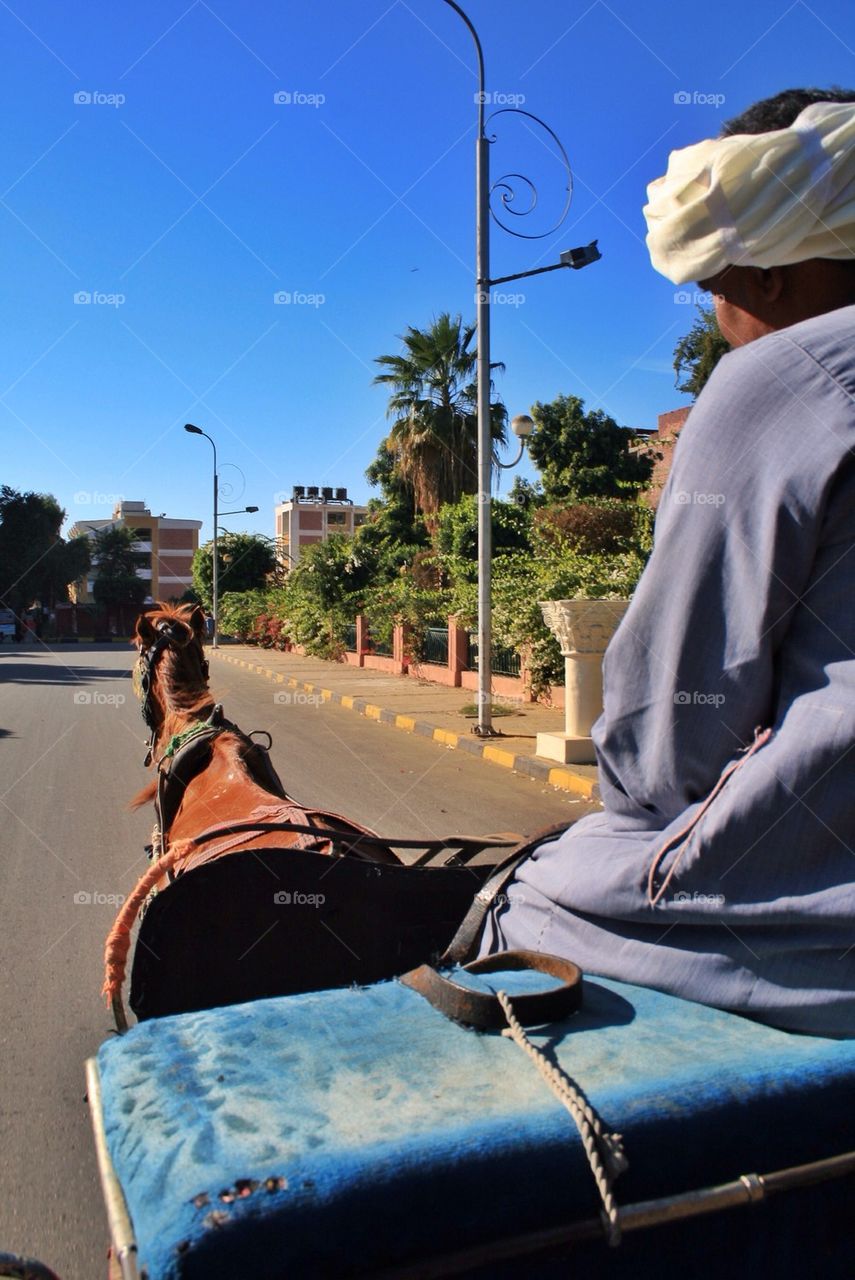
(583, 628)
(566, 748)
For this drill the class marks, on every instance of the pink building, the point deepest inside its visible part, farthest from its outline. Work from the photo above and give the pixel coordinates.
(310, 515)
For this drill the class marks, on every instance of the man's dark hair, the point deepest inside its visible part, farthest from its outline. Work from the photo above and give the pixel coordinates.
(780, 112)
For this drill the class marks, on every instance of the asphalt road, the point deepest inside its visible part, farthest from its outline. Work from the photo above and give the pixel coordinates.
(71, 750)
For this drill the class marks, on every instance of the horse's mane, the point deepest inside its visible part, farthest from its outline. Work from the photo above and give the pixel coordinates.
(181, 687)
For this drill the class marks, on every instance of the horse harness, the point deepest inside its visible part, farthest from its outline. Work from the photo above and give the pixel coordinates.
(188, 753)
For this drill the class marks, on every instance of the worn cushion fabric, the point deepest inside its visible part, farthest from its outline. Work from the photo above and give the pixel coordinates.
(397, 1134)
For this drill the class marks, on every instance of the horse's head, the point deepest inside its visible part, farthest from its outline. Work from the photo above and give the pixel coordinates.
(171, 673)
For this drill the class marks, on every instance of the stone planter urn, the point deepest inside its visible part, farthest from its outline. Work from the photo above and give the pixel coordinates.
(583, 628)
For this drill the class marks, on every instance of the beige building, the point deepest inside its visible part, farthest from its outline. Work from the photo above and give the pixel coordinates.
(310, 515)
(165, 545)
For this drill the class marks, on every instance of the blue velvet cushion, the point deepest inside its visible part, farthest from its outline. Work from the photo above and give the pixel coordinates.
(348, 1130)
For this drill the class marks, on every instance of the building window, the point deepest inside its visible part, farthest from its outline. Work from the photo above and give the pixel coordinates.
(358, 519)
(336, 519)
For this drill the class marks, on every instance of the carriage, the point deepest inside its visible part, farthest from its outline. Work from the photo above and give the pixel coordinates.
(322, 1084)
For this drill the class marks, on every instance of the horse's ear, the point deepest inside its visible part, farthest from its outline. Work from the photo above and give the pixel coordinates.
(197, 621)
(144, 632)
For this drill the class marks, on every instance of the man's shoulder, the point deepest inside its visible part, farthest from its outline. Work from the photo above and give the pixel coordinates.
(827, 340)
(772, 369)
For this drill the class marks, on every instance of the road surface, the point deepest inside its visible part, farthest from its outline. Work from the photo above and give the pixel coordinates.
(71, 751)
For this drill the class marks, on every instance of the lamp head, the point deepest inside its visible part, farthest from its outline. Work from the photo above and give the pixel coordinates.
(522, 426)
(252, 508)
(194, 431)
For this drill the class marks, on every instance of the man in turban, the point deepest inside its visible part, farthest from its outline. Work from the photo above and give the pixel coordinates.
(722, 868)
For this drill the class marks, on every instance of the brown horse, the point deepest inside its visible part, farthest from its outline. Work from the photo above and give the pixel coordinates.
(216, 792)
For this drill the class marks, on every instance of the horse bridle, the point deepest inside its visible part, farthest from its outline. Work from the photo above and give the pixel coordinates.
(169, 634)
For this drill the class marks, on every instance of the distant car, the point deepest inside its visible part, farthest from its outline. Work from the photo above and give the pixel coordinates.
(8, 626)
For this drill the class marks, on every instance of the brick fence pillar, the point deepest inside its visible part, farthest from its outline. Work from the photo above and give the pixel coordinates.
(458, 649)
(401, 634)
(362, 639)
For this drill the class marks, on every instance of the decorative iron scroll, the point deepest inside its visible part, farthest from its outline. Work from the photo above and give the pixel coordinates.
(507, 184)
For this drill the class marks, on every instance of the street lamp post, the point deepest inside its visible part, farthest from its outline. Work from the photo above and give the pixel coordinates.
(573, 258)
(197, 431)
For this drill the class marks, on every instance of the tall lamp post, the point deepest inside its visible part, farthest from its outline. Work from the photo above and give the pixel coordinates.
(197, 431)
(573, 258)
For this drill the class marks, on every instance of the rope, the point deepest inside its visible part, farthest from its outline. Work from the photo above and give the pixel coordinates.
(118, 942)
(604, 1150)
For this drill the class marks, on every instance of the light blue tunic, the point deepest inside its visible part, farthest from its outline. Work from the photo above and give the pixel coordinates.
(744, 619)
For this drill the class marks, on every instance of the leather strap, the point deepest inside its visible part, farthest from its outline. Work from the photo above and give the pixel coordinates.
(463, 942)
(481, 1009)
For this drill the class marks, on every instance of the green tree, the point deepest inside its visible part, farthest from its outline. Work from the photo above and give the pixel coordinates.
(698, 353)
(456, 537)
(35, 562)
(584, 455)
(116, 563)
(433, 407)
(244, 562)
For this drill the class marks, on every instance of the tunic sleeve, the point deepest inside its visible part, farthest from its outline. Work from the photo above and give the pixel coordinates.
(694, 667)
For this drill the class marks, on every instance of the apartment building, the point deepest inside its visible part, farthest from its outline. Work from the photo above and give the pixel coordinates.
(166, 547)
(310, 515)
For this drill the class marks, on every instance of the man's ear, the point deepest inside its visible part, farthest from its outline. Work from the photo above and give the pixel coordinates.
(771, 281)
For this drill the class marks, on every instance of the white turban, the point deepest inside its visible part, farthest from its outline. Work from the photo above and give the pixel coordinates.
(757, 200)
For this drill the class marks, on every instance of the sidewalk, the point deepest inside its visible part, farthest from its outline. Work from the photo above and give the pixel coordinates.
(418, 706)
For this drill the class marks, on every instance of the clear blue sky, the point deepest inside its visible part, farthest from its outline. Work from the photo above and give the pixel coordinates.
(186, 190)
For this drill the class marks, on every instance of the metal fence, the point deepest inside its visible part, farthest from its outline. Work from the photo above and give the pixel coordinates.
(436, 646)
(350, 637)
(506, 662)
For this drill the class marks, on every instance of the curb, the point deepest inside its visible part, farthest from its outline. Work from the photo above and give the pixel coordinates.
(564, 779)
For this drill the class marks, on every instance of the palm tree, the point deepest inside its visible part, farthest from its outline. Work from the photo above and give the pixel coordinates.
(434, 435)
